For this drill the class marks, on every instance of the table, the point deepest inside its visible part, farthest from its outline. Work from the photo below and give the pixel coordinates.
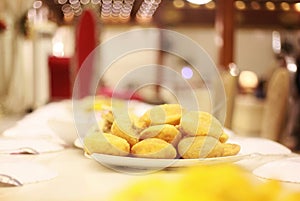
(82, 179)
(79, 178)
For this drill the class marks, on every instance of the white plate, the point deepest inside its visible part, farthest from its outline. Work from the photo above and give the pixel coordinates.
(252, 148)
(146, 163)
(286, 170)
(78, 143)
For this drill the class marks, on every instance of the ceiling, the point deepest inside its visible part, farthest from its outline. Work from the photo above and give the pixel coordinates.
(258, 13)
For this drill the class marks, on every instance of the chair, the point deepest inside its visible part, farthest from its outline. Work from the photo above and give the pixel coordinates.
(85, 43)
(276, 105)
(230, 86)
(63, 70)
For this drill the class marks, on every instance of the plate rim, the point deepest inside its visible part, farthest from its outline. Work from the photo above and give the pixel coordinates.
(138, 162)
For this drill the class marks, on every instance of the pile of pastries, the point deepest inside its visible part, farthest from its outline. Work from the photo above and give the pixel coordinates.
(163, 132)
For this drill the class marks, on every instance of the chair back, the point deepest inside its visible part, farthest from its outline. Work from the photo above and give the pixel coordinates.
(85, 43)
(276, 105)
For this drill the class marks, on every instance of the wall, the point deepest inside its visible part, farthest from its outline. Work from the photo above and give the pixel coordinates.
(253, 47)
(253, 51)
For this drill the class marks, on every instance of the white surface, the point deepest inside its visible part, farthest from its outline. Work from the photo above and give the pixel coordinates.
(39, 145)
(64, 128)
(79, 179)
(25, 171)
(256, 145)
(36, 124)
(286, 170)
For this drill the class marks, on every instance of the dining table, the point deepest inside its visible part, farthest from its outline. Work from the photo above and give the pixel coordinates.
(72, 175)
(78, 178)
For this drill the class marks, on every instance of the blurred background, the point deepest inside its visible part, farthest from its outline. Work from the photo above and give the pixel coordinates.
(254, 44)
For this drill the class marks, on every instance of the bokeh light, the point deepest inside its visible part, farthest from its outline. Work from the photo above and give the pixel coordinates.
(248, 80)
(187, 72)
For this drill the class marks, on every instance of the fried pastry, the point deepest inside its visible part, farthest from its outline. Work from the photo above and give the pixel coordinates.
(200, 147)
(223, 138)
(162, 114)
(125, 129)
(205, 147)
(108, 116)
(166, 132)
(105, 143)
(198, 123)
(154, 148)
(230, 149)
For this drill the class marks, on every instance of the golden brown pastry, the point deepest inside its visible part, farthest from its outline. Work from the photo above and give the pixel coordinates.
(154, 148)
(166, 132)
(105, 143)
(158, 132)
(162, 114)
(198, 123)
(200, 147)
(125, 129)
(108, 116)
(205, 147)
(230, 149)
(223, 138)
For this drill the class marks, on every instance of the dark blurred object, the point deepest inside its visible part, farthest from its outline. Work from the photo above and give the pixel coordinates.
(260, 89)
(60, 82)
(291, 136)
(287, 48)
(297, 77)
(2, 26)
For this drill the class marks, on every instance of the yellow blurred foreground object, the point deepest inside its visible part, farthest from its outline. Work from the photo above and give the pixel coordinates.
(206, 183)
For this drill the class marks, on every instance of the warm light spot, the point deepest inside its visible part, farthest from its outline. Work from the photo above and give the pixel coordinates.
(37, 4)
(74, 1)
(248, 80)
(187, 72)
(76, 5)
(233, 69)
(62, 1)
(143, 19)
(95, 1)
(211, 5)
(58, 49)
(69, 17)
(240, 5)
(255, 5)
(292, 67)
(84, 2)
(285, 6)
(178, 3)
(270, 5)
(124, 19)
(78, 11)
(276, 42)
(199, 2)
(66, 8)
(297, 7)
